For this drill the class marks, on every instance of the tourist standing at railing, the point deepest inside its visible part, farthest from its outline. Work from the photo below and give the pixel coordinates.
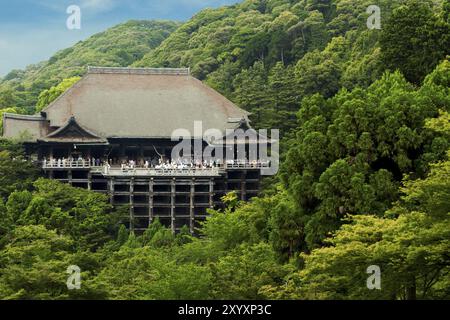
(175, 164)
(106, 168)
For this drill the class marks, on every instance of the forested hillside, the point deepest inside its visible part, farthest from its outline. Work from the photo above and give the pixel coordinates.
(119, 46)
(267, 55)
(364, 180)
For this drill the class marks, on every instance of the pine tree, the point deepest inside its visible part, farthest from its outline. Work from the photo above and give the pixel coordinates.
(414, 40)
(122, 235)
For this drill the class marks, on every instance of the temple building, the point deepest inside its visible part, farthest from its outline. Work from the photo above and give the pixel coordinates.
(112, 132)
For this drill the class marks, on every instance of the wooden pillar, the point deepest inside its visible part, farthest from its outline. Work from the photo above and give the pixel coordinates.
(211, 193)
(69, 176)
(259, 181)
(89, 180)
(243, 185)
(150, 200)
(111, 190)
(225, 182)
(131, 204)
(192, 206)
(172, 203)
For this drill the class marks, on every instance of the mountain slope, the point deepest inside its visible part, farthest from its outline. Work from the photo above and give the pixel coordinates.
(266, 55)
(118, 46)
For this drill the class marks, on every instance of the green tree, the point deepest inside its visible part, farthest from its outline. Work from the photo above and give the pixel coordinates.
(122, 235)
(414, 40)
(411, 250)
(145, 273)
(33, 264)
(241, 273)
(15, 173)
(48, 96)
(368, 139)
(84, 216)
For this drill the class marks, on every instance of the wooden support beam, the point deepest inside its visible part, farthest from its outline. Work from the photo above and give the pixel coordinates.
(131, 204)
(211, 193)
(225, 182)
(150, 201)
(172, 203)
(89, 180)
(111, 190)
(192, 207)
(243, 185)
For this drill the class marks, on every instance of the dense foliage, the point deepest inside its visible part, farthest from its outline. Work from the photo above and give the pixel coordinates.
(48, 96)
(365, 177)
(266, 55)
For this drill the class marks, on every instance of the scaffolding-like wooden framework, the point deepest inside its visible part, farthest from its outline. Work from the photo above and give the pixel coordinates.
(177, 199)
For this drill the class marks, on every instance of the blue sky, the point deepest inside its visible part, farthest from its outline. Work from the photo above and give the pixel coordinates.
(33, 30)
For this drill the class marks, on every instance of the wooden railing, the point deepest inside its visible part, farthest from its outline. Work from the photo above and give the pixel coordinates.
(247, 165)
(188, 172)
(139, 171)
(67, 164)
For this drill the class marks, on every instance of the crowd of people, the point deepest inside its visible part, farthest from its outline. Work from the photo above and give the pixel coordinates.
(178, 164)
(73, 162)
(153, 163)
